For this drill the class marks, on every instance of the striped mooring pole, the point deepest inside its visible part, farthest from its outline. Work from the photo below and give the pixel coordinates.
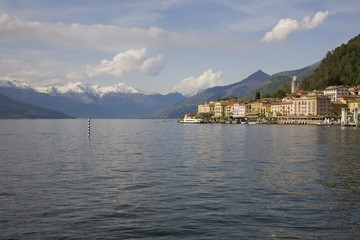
(89, 126)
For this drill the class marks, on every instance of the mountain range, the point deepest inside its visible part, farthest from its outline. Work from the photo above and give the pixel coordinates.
(79, 99)
(278, 80)
(258, 81)
(123, 101)
(238, 89)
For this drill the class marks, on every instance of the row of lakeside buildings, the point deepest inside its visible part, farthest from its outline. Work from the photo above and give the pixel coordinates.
(324, 103)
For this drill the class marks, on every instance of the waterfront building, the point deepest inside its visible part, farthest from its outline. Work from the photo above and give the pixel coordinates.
(282, 109)
(334, 92)
(265, 110)
(206, 107)
(255, 107)
(353, 104)
(336, 107)
(241, 109)
(212, 107)
(229, 108)
(311, 106)
(299, 104)
(219, 109)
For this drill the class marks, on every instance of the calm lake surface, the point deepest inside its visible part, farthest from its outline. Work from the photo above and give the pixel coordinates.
(157, 179)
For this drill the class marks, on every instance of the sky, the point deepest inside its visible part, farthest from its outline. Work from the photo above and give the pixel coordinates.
(167, 45)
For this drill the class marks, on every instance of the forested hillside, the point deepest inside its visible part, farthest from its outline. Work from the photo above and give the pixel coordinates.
(11, 109)
(340, 67)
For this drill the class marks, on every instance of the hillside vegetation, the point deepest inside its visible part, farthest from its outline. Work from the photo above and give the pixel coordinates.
(280, 81)
(11, 109)
(340, 67)
(274, 84)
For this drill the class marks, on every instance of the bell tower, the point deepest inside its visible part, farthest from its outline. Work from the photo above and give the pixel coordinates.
(294, 85)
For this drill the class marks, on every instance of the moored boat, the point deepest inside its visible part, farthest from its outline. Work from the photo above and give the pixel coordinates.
(189, 119)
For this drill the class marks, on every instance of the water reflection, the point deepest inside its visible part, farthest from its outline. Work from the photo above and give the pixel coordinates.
(146, 178)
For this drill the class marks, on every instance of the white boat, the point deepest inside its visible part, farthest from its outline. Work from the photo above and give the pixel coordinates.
(189, 119)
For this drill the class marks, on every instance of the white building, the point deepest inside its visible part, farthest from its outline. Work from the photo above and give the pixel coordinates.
(334, 92)
(240, 110)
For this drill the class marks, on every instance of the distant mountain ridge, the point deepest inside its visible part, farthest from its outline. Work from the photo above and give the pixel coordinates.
(277, 80)
(122, 101)
(11, 109)
(258, 81)
(237, 89)
(80, 100)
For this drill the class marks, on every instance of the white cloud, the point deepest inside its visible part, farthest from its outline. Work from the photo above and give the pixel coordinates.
(38, 78)
(110, 38)
(74, 76)
(288, 26)
(99, 37)
(125, 63)
(191, 85)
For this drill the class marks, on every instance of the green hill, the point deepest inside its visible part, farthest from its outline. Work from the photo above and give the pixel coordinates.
(281, 80)
(339, 67)
(271, 86)
(11, 109)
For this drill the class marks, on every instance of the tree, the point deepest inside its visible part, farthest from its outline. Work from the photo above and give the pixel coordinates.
(339, 67)
(286, 87)
(305, 83)
(257, 95)
(281, 93)
(266, 95)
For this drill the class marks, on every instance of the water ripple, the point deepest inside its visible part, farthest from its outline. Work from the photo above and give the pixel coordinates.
(146, 179)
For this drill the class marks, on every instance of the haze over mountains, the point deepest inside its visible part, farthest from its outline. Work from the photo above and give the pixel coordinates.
(123, 101)
(258, 81)
(13, 109)
(79, 100)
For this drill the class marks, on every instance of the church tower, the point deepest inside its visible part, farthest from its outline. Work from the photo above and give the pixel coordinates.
(294, 85)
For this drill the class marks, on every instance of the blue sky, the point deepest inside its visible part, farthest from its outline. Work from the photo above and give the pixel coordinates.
(167, 45)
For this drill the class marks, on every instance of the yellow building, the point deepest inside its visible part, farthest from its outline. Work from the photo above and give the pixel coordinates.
(219, 109)
(265, 110)
(255, 107)
(206, 107)
(354, 104)
(336, 107)
(282, 109)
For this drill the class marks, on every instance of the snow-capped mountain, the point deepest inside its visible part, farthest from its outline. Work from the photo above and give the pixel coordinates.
(13, 84)
(91, 89)
(80, 99)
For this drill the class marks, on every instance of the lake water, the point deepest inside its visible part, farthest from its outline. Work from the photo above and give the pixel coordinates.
(157, 179)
